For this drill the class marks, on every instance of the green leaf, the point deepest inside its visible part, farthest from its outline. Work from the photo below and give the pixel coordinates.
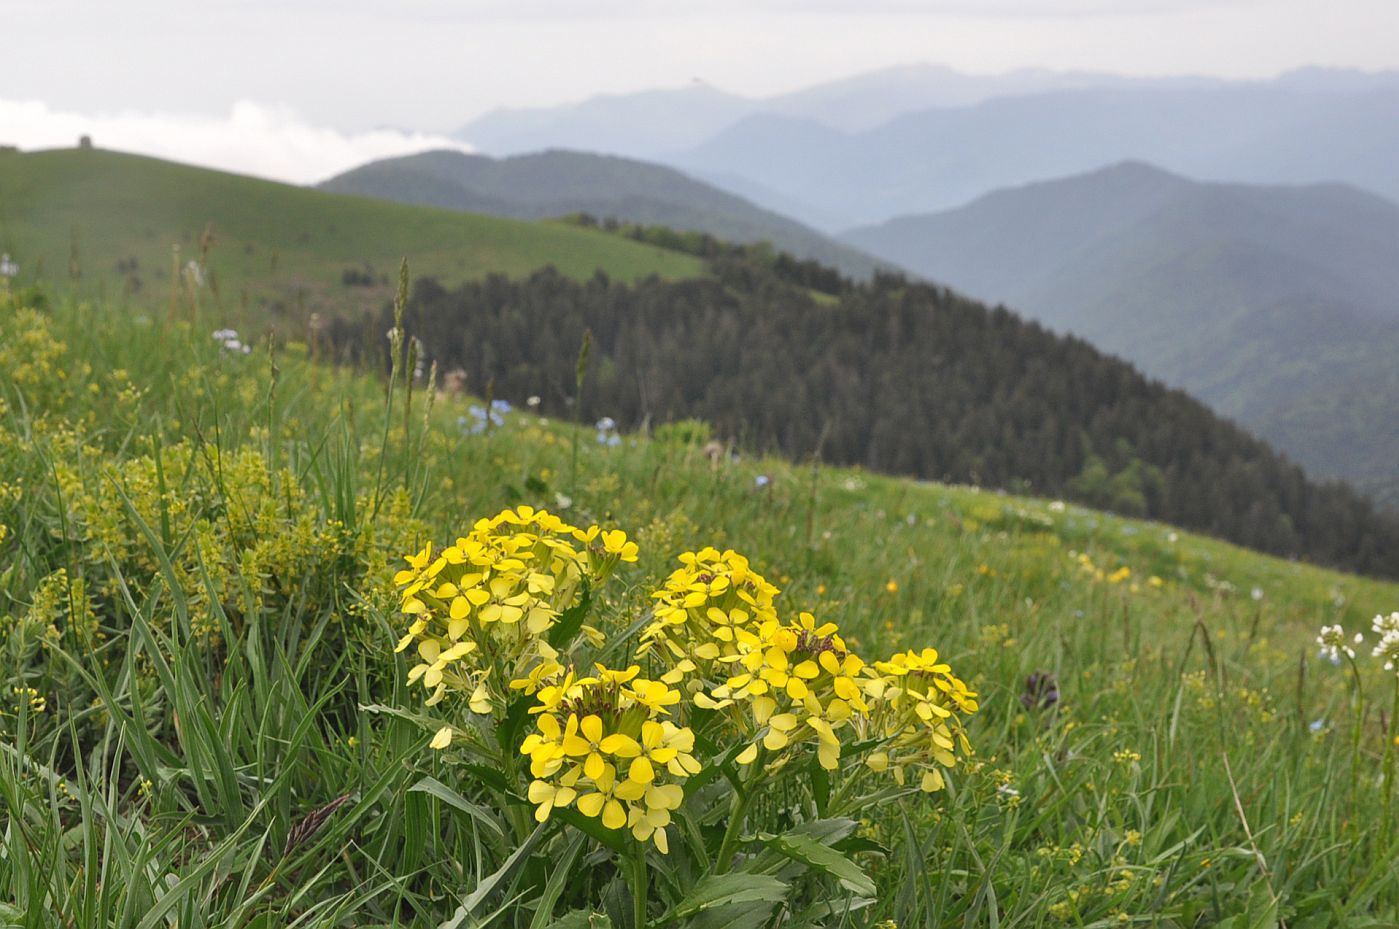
(516, 715)
(820, 787)
(431, 785)
(614, 839)
(493, 880)
(562, 873)
(727, 889)
(823, 858)
(571, 620)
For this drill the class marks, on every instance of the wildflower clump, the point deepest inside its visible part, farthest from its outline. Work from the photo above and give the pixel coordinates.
(727, 703)
(605, 745)
(481, 608)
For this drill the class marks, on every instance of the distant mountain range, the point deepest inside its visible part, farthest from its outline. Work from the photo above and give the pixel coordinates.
(939, 158)
(1277, 305)
(556, 183)
(652, 123)
(913, 139)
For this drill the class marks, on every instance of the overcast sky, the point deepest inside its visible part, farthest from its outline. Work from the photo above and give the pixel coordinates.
(332, 69)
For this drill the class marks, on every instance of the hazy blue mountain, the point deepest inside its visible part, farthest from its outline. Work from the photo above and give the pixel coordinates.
(1277, 305)
(1293, 130)
(653, 122)
(641, 124)
(556, 183)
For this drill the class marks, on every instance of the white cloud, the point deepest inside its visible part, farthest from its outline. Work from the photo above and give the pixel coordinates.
(266, 141)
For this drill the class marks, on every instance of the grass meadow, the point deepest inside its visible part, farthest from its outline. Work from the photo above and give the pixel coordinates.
(205, 722)
(104, 223)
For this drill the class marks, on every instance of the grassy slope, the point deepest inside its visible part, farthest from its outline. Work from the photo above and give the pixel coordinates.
(1119, 804)
(557, 183)
(274, 241)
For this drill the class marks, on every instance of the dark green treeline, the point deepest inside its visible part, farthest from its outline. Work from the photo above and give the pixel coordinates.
(895, 376)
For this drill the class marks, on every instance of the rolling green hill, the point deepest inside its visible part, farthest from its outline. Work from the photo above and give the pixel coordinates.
(556, 183)
(1276, 305)
(110, 220)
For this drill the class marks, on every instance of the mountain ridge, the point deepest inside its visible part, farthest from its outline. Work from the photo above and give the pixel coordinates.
(559, 182)
(1264, 301)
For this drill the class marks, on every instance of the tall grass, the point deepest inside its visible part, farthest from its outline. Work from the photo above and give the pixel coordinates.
(196, 610)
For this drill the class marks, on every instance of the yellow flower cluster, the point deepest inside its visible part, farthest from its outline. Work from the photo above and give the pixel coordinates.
(487, 602)
(918, 702)
(603, 744)
(792, 684)
(616, 746)
(703, 606)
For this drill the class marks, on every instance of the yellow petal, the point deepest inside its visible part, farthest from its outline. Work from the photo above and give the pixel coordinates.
(613, 816)
(591, 804)
(443, 738)
(641, 771)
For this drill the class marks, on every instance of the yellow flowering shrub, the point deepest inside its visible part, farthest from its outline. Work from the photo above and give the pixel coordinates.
(497, 617)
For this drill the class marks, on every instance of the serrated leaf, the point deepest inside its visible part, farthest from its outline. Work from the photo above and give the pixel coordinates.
(718, 890)
(823, 858)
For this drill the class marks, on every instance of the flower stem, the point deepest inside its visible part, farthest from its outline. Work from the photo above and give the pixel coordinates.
(738, 812)
(639, 881)
(1358, 701)
(1389, 767)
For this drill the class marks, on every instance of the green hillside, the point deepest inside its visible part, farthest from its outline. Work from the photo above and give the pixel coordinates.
(206, 722)
(557, 183)
(280, 245)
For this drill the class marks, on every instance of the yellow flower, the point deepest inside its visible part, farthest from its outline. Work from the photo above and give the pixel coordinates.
(917, 708)
(892, 586)
(796, 684)
(600, 746)
(498, 591)
(703, 606)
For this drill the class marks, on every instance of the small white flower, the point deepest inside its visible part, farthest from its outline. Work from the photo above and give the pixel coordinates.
(1388, 649)
(1332, 640)
(1383, 625)
(762, 480)
(1258, 593)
